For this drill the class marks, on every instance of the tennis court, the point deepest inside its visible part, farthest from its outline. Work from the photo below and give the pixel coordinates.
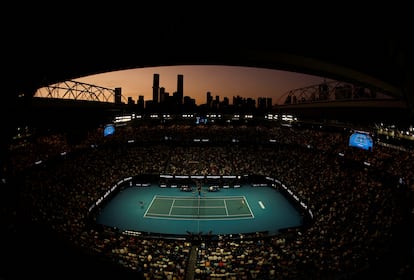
(175, 207)
(170, 211)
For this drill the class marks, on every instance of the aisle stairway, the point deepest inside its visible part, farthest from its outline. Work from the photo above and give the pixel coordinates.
(192, 260)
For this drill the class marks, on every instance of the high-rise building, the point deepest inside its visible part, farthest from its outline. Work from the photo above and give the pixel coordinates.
(130, 101)
(155, 88)
(269, 103)
(118, 95)
(140, 102)
(163, 95)
(209, 99)
(180, 88)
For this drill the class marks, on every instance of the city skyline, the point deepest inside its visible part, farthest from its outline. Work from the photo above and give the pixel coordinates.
(221, 81)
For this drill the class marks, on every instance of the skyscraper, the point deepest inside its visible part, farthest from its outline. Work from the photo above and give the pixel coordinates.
(180, 88)
(118, 95)
(155, 88)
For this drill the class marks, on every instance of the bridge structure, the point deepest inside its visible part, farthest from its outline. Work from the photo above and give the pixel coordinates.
(330, 92)
(79, 91)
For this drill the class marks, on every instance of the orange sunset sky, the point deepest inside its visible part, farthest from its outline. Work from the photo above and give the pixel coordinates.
(222, 81)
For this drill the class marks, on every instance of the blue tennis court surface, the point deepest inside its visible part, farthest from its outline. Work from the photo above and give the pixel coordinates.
(169, 211)
(176, 207)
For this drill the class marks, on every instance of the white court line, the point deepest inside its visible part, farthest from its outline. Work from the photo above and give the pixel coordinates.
(206, 217)
(149, 206)
(225, 207)
(171, 208)
(248, 205)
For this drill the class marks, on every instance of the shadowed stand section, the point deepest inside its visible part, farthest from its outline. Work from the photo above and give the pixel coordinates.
(191, 263)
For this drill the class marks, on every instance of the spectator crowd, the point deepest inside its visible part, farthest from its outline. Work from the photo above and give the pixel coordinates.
(362, 201)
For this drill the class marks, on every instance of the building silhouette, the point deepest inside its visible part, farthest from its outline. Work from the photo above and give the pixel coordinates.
(180, 88)
(118, 95)
(155, 88)
(163, 101)
(140, 102)
(209, 100)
